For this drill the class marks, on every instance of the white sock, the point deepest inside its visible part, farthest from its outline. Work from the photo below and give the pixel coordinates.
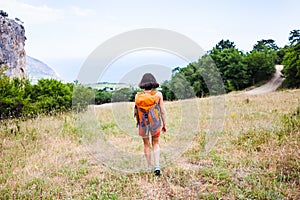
(156, 157)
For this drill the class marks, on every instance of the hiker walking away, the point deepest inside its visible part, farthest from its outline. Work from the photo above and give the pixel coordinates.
(151, 118)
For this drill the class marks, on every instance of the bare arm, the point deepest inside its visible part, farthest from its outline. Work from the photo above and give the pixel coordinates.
(162, 110)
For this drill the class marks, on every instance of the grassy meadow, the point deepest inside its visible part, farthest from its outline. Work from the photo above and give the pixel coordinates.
(254, 155)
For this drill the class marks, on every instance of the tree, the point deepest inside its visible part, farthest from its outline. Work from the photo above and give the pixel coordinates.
(82, 97)
(102, 97)
(294, 37)
(280, 54)
(124, 94)
(3, 13)
(167, 93)
(268, 44)
(291, 61)
(291, 70)
(225, 44)
(181, 87)
(210, 81)
(192, 74)
(233, 70)
(176, 70)
(261, 65)
(217, 55)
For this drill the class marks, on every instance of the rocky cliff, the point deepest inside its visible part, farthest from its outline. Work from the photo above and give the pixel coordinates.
(12, 42)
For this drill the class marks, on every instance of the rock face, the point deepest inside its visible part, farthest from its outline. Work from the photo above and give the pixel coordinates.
(12, 42)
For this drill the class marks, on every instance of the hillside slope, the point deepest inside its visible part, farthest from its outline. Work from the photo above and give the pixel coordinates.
(36, 69)
(256, 155)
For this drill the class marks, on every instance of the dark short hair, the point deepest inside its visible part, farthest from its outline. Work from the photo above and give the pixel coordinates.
(148, 82)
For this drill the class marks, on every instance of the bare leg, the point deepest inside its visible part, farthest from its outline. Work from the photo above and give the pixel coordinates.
(156, 150)
(147, 151)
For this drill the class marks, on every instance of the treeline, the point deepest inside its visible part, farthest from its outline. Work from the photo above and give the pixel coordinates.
(225, 64)
(21, 99)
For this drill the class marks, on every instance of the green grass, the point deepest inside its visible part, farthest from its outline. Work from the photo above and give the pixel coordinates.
(256, 155)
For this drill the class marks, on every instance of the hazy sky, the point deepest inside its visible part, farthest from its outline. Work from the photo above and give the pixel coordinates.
(63, 33)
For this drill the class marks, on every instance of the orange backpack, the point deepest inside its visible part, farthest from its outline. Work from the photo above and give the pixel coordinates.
(147, 111)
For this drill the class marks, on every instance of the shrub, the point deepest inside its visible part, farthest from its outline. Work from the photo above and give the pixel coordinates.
(19, 98)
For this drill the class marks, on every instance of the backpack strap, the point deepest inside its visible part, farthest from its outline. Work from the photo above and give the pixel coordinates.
(153, 92)
(136, 114)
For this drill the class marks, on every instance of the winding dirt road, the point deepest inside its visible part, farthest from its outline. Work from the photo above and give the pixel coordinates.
(271, 85)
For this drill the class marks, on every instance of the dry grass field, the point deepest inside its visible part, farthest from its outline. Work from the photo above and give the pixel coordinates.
(249, 148)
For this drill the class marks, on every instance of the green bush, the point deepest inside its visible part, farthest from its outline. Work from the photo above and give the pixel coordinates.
(82, 97)
(102, 97)
(51, 95)
(19, 98)
(124, 94)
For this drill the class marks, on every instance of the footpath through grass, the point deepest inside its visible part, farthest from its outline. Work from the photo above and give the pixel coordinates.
(256, 156)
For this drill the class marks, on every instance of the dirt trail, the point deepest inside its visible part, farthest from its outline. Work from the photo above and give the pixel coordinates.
(271, 85)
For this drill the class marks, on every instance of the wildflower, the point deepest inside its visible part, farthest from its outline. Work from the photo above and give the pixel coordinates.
(233, 115)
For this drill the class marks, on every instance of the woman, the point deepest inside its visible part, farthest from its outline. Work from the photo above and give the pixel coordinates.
(149, 84)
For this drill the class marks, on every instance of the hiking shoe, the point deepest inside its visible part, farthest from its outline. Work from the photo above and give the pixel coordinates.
(157, 171)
